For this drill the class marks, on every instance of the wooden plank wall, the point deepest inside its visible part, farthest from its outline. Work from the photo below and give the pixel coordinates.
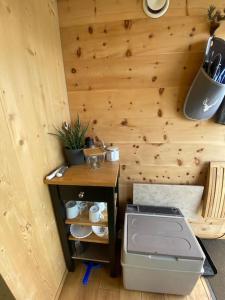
(32, 99)
(128, 75)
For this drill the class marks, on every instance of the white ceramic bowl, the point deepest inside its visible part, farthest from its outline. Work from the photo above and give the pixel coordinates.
(100, 231)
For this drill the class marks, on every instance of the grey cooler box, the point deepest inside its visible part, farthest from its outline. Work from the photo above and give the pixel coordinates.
(160, 253)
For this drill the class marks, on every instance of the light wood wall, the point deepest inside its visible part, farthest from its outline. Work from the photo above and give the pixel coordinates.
(128, 75)
(33, 98)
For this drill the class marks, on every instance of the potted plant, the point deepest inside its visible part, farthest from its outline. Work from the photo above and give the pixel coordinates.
(72, 137)
(215, 16)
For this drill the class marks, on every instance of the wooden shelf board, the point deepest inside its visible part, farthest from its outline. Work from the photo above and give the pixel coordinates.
(83, 175)
(83, 219)
(90, 239)
(94, 252)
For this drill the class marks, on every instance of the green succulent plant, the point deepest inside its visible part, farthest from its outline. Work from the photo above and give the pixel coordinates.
(215, 16)
(72, 135)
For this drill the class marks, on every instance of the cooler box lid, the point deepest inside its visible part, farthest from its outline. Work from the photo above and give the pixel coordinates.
(159, 235)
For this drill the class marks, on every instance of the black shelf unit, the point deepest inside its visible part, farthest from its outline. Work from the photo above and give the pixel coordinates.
(60, 194)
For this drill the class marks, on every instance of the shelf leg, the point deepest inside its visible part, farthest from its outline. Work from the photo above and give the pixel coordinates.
(112, 232)
(59, 210)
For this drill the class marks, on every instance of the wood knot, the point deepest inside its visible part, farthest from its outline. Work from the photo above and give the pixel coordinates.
(79, 52)
(179, 162)
(90, 29)
(127, 24)
(197, 161)
(144, 138)
(200, 150)
(160, 113)
(128, 53)
(161, 91)
(124, 122)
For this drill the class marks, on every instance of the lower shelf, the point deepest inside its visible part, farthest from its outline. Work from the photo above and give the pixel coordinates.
(93, 252)
(90, 239)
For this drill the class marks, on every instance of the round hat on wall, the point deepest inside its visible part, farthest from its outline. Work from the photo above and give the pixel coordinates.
(155, 8)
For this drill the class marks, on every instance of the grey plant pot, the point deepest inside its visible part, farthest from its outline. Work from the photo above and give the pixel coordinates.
(74, 157)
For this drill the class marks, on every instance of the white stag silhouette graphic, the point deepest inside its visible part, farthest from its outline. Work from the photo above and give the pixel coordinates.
(206, 106)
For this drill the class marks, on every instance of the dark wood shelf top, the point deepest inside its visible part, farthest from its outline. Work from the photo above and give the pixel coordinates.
(83, 175)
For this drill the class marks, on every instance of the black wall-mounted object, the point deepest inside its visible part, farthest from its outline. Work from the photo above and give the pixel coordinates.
(208, 88)
(220, 116)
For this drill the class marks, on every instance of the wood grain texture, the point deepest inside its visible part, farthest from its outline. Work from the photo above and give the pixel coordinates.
(101, 286)
(83, 175)
(32, 99)
(145, 37)
(158, 70)
(80, 12)
(200, 7)
(214, 194)
(129, 75)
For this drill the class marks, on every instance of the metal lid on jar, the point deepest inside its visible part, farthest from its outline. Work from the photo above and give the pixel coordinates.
(112, 148)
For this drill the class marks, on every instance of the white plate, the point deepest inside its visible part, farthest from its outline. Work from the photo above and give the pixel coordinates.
(100, 231)
(79, 231)
(158, 13)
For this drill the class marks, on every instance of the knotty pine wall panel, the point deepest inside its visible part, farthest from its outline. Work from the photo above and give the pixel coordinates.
(196, 8)
(74, 12)
(128, 75)
(32, 99)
